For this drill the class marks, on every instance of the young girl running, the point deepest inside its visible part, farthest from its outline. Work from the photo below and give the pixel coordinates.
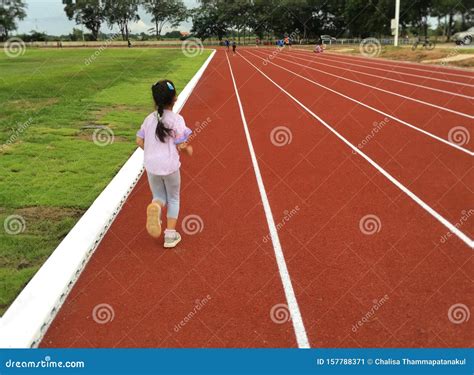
(162, 136)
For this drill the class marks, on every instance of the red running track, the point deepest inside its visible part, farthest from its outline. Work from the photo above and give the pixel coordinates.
(354, 286)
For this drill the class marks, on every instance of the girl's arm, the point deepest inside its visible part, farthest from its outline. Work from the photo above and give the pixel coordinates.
(140, 142)
(186, 147)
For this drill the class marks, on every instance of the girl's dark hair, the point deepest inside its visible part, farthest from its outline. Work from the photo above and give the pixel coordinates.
(163, 95)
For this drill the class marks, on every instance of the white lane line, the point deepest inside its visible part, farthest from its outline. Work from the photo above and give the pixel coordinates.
(315, 61)
(402, 73)
(378, 88)
(298, 326)
(396, 64)
(454, 145)
(392, 179)
(370, 60)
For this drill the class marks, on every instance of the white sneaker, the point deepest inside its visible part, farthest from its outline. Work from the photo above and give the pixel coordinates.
(172, 241)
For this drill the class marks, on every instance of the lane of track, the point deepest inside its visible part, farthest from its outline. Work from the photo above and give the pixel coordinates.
(318, 191)
(462, 106)
(218, 287)
(436, 122)
(447, 72)
(382, 80)
(339, 271)
(431, 78)
(438, 173)
(459, 89)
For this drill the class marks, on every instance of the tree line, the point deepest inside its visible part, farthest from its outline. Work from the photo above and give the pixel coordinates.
(301, 19)
(94, 14)
(340, 18)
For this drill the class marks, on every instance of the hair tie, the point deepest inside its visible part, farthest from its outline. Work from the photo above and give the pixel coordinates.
(170, 86)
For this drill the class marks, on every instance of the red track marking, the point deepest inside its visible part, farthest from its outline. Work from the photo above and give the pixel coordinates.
(431, 69)
(412, 78)
(428, 76)
(444, 101)
(421, 116)
(151, 290)
(292, 306)
(379, 79)
(337, 270)
(434, 171)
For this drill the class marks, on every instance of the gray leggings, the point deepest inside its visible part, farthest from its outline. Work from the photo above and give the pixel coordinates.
(166, 190)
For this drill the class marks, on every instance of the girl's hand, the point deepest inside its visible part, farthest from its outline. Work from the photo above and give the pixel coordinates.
(186, 147)
(189, 150)
(140, 142)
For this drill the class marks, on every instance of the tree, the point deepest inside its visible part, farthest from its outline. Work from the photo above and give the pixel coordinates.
(76, 35)
(164, 12)
(237, 14)
(10, 12)
(415, 14)
(90, 13)
(175, 34)
(369, 18)
(448, 9)
(120, 13)
(260, 20)
(209, 19)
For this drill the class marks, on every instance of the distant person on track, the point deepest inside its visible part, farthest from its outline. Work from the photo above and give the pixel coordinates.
(162, 136)
(234, 47)
(227, 44)
(318, 48)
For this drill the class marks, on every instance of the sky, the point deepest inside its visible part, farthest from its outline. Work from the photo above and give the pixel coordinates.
(48, 16)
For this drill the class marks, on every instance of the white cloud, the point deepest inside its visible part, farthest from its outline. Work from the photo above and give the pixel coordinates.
(139, 27)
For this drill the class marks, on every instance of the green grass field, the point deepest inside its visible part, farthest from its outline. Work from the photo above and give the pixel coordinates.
(51, 169)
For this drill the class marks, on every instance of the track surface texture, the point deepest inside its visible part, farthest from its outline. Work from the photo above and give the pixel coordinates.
(328, 204)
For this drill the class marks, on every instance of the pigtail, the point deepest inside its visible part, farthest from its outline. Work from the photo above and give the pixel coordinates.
(163, 94)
